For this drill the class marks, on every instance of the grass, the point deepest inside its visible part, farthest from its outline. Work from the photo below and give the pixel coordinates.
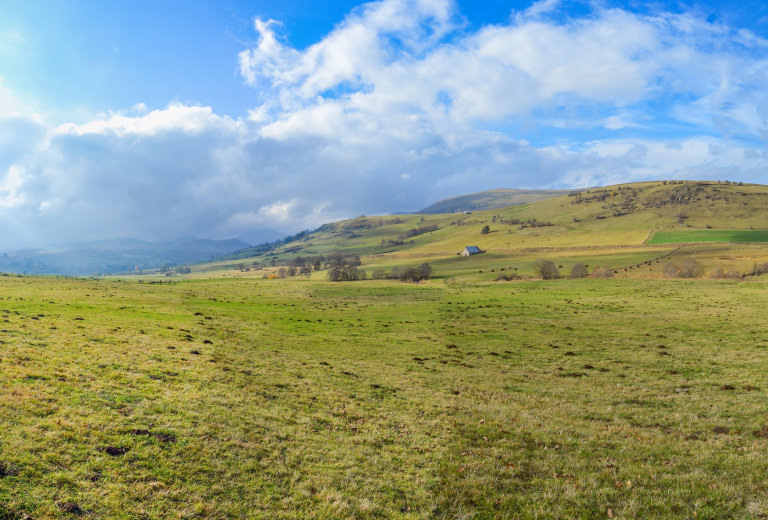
(253, 398)
(709, 235)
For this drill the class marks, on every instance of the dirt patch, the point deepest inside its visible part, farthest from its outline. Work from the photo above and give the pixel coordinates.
(720, 430)
(70, 507)
(115, 451)
(727, 387)
(762, 433)
(162, 437)
(8, 470)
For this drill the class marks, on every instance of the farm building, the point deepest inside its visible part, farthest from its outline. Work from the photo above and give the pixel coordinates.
(470, 250)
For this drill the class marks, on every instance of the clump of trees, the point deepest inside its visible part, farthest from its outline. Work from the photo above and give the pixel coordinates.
(346, 273)
(688, 268)
(405, 274)
(546, 269)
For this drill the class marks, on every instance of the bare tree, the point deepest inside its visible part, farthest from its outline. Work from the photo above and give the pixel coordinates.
(546, 269)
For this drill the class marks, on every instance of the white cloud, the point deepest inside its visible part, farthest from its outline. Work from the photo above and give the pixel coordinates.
(399, 106)
(10, 187)
(176, 117)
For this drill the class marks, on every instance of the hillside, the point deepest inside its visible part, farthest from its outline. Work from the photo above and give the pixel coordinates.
(491, 199)
(605, 226)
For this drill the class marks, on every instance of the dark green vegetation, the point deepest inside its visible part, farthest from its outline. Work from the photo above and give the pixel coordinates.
(709, 235)
(301, 399)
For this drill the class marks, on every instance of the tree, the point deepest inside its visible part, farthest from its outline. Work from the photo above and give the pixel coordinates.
(546, 269)
(486, 229)
(425, 271)
(579, 270)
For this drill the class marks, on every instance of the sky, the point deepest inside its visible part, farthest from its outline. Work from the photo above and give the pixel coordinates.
(160, 120)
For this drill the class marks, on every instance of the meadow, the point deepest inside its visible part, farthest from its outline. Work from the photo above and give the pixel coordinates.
(251, 398)
(709, 235)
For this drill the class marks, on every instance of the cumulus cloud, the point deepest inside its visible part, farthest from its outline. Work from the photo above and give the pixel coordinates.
(398, 106)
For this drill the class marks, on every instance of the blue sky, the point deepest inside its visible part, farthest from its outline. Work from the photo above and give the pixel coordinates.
(163, 119)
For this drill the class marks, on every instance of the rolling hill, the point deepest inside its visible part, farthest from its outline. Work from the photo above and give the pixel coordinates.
(611, 225)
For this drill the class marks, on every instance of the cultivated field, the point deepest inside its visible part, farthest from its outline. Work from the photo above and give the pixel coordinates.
(250, 398)
(710, 235)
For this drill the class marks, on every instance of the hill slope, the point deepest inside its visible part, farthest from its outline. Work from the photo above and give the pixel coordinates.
(491, 199)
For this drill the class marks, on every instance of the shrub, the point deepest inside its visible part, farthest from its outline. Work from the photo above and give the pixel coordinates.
(759, 269)
(688, 268)
(579, 270)
(721, 272)
(546, 269)
(602, 272)
(486, 229)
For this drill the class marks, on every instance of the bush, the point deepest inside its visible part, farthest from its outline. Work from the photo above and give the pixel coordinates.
(602, 272)
(721, 272)
(759, 269)
(688, 268)
(486, 229)
(579, 271)
(546, 269)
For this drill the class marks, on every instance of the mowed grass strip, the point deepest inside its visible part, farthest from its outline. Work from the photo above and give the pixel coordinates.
(299, 399)
(709, 235)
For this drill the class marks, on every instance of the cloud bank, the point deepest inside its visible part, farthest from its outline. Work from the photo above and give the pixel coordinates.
(398, 106)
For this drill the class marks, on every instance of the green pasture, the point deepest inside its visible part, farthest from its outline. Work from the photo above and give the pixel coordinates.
(295, 398)
(709, 235)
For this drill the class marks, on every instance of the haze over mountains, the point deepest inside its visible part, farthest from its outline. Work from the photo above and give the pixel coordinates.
(114, 256)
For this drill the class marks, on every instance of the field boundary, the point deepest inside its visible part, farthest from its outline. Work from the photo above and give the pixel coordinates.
(647, 262)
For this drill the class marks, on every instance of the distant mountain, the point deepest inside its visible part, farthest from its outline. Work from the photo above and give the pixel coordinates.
(114, 256)
(260, 236)
(492, 199)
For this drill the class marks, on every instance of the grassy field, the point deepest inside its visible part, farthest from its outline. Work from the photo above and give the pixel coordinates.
(709, 235)
(255, 398)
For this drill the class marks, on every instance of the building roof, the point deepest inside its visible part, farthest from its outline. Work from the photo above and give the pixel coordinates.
(472, 249)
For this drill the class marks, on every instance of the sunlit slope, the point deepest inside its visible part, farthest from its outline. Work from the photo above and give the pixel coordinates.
(623, 215)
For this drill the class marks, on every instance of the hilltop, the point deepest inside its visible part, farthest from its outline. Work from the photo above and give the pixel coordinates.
(491, 199)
